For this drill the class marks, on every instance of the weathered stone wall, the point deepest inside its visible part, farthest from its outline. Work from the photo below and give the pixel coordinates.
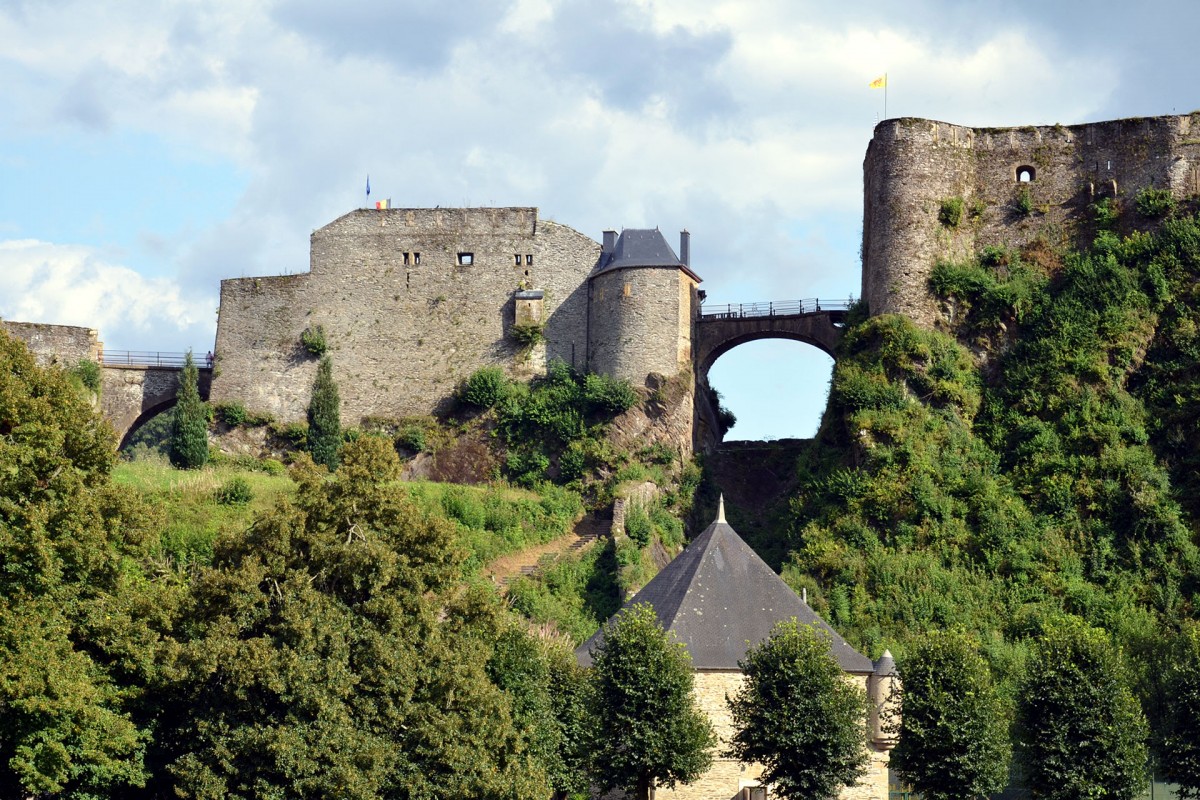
(57, 344)
(912, 165)
(411, 302)
(642, 322)
(727, 776)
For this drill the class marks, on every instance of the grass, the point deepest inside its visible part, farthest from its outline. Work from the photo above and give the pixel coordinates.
(188, 500)
(497, 520)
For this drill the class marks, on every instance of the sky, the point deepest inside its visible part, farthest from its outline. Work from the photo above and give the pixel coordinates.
(150, 149)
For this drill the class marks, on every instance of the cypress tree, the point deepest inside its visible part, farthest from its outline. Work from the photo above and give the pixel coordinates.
(189, 432)
(324, 417)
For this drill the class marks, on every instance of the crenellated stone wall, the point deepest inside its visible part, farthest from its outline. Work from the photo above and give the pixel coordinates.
(913, 165)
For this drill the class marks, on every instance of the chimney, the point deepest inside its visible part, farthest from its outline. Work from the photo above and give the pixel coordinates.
(610, 242)
(685, 248)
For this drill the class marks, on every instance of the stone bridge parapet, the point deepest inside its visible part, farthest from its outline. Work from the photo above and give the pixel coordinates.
(721, 329)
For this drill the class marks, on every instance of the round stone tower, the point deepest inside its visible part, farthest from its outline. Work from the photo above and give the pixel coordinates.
(642, 303)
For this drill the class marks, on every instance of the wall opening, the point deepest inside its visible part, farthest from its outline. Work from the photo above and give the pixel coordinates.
(1026, 174)
(777, 389)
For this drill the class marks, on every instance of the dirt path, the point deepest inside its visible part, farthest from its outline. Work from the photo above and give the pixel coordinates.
(525, 562)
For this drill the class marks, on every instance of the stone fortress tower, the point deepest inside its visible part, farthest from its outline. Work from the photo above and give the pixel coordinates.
(412, 301)
(642, 305)
(1017, 186)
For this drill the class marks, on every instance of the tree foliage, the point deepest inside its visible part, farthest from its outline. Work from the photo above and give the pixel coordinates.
(77, 628)
(953, 731)
(326, 653)
(189, 428)
(646, 727)
(1180, 727)
(798, 715)
(324, 417)
(1081, 731)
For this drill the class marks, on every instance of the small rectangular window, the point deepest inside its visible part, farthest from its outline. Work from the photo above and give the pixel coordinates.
(406, 259)
(466, 259)
(417, 259)
(529, 259)
(517, 258)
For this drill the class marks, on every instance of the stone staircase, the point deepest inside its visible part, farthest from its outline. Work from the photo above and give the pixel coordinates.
(588, 530)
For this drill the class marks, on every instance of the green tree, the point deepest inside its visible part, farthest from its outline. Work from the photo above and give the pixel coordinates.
(953, 732)
(324, 417)
(328, 652)
(798, 716)
(1179, 750)
(1081, 732)
(647, 729)
(189, 430)
(76, 620)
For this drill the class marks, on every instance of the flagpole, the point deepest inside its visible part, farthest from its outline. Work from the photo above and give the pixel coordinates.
(885, 95)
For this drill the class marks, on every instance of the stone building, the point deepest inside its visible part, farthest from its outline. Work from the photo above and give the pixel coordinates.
(1018, 187)
(719, 599)
(412, 301)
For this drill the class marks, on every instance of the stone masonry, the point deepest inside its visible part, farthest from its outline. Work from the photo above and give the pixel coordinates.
(411, 301)
(912, 165)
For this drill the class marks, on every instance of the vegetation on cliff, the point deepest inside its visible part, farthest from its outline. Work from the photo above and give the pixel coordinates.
(1032, 462)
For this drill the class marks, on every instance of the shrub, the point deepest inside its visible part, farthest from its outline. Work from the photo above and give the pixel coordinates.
(232, 414)
(1155, 203)
(608, 394)
(527, 334)
(412, 438)
(637, 525)
(951, 212)
(88, 373)
(313, 340)
(1105, 213)
(235, 492)
(1024, 202)
(485, 388)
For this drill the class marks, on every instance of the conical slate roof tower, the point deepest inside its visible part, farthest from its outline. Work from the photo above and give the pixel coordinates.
(720, 599)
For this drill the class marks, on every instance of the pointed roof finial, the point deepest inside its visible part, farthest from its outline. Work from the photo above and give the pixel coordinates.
(721, 509)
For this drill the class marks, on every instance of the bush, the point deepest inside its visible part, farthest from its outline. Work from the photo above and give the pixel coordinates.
(232, 414)
(88, 373)
(313, 340)
(235, 492)
(1155, 203)
(951, 212)
(486, 388)
(528, 334)
(1024, 203)
(608, 394)
(637, 525)
(411, 438)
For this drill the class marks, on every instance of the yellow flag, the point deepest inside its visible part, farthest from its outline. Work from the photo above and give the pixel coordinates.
(880, 82)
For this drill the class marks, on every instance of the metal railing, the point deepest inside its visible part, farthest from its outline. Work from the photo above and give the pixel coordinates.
(774, 309)
(148, 358)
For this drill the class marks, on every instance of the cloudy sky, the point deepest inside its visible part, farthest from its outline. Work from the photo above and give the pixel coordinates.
(149, 149)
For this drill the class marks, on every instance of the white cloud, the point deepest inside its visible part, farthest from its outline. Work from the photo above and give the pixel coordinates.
(73, 285)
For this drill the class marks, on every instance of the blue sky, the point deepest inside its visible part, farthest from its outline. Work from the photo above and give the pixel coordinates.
(148, 150)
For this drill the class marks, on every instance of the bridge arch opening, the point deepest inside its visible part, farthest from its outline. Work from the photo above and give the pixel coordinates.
(150, 414)
(776, 387)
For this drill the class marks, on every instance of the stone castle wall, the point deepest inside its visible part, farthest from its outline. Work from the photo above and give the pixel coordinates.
(58, 344)
(912, 165)
(411, 301)
(642, 321)
(727, 777)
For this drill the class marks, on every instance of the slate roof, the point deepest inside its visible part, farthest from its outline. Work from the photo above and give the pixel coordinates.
(720, 598)
(641, 247)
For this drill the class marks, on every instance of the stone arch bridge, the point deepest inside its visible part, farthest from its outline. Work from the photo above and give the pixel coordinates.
(136, 386)
(719, 329)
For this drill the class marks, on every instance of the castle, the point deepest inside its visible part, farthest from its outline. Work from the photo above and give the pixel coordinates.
(412, 301)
